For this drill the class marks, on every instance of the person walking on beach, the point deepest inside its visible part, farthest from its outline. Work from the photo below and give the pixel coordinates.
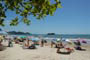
(52, 43)
(24, 44)
(1, 39)
(42, 43)
(0, 42)
(10, 44)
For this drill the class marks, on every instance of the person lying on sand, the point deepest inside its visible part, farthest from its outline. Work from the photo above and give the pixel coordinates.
(60, 45)
(69, 50)
(78, 46)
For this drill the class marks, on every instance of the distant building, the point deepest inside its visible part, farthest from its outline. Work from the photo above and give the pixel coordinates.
(51, 34)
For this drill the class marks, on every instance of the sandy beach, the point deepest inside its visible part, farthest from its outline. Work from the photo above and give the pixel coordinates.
(41, 53)
(44, 29)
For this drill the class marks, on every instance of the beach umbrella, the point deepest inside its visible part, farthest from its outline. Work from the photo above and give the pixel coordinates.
(54, 39)
(23, 37)
(69, 41)
(83, 41)
(34, 39)
(58, 40)
(63, 39)
(45, 38)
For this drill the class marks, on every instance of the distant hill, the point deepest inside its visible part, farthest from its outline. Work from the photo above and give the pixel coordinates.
(18, 33)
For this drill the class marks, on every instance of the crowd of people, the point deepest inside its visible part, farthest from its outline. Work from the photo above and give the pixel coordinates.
(29, 44)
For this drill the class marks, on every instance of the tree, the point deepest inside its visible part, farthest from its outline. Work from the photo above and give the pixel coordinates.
(25, 8)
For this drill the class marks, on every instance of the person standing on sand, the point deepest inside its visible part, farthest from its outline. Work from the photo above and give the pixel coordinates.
(24, 44)
(0, 42)
(42, 43)
(28, 41)
(52, 43)
(10, 44)
(1, 39)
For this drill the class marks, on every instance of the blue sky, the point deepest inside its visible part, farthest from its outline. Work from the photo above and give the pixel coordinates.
(72, 18)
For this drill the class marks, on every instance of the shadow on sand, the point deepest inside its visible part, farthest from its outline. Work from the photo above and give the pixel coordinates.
(82, 50)
(2, 48)
(65, 53)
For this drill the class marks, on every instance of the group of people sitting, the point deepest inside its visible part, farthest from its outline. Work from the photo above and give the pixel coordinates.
(78, 46)
(26, 43)
(59, 46)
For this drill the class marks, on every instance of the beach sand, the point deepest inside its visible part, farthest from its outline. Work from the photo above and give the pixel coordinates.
(41, 53)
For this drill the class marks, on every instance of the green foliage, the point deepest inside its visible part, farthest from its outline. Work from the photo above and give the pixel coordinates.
(25, 8)
(26, 21)
(14, 22)
(2, 22)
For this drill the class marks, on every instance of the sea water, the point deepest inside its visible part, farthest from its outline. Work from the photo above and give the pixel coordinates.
(65, 36)
(85, 36)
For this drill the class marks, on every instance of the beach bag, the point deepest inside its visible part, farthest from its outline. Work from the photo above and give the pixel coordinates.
(32, 46)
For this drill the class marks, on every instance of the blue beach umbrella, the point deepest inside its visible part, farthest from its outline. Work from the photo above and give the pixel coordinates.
(34, 39)
(63, 39)
(54, 39)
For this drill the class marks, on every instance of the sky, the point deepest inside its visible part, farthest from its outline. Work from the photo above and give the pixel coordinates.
(72, 18)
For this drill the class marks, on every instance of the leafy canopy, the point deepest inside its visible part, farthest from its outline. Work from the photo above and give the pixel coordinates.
(25, 8)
